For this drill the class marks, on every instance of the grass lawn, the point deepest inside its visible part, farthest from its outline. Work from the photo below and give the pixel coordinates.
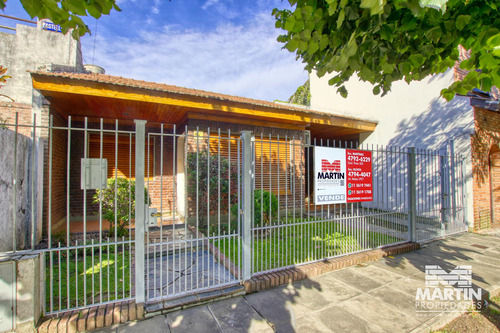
(113, 268)
(290, 244)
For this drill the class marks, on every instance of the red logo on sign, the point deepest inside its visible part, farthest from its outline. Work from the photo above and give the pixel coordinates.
(327, 166)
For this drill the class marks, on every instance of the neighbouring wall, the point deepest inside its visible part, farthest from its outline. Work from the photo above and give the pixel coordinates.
(485, 144)
(22, 166)
(30, 47)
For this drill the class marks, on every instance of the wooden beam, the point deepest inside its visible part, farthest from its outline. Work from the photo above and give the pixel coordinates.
(234, 120)
(277, 114)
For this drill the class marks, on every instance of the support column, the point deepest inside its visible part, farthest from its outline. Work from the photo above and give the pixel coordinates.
(247, 203)
(140, 210)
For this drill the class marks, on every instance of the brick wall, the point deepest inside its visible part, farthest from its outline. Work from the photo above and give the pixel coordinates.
(289, 173)
(8, 113)
(484, 141)
(160, 185)
(495, 184)
(58, 179)
(161, 181)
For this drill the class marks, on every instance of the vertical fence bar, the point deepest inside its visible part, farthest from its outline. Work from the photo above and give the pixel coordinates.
(453, 182)
(140, 132)
(33, 185)
(412, 194)
(14, 184)
(246, 138)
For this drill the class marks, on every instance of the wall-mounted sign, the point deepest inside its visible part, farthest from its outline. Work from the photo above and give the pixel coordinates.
(342, 175)
(48, 25)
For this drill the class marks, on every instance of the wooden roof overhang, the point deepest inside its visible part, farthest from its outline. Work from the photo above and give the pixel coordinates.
(109, 97)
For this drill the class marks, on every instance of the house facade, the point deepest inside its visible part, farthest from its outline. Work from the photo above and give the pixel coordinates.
(209, 122)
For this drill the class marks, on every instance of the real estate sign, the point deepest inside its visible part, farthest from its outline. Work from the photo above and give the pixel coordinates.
(342, 175)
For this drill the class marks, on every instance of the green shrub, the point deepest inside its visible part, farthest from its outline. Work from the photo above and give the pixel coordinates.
(124, 190)
(265, 207)
(206, 184)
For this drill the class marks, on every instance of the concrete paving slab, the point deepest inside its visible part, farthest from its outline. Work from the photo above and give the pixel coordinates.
(156, 324)
(196, 319)
(273, 307)
(372, 310)
(404, 302)
(358, 281)
(399, 265)
(310, 325)
(491, 253)
(495, 262)
(481, 239)
(377, 274)
(407, 285)
(338, 319)
(236, 315)
(334, 289)
(304, 299)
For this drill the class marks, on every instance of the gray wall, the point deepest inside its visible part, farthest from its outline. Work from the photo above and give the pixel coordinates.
(29, 48)
(23, 190)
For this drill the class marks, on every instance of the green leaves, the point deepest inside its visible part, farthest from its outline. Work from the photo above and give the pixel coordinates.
(68, 13)
(375, 6)
(388, 41)
(433, 34)
(340, 19)
(462, 21)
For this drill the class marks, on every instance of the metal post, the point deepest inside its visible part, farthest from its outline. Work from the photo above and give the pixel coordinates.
(445, 189)
(465, 200)
(140, 144)
(247, 195)
(412, 194)
(453, 190)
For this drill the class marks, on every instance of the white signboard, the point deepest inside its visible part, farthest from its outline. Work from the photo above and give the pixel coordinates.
(342, 175)
(329, 176)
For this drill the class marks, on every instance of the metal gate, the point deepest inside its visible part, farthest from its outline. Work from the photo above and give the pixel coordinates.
(147, 212)
(193, 231)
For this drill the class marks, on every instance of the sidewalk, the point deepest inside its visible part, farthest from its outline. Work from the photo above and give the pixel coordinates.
(375, 297)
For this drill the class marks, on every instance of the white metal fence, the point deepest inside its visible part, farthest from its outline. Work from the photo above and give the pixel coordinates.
(219, 207)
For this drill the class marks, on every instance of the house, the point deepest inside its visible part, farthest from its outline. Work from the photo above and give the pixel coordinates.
(198, 154)
(173, 110)
(63, 88)
(414, 115)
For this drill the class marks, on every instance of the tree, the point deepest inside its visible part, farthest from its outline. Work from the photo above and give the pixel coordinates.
(67, 13)
(386, 41)
(302, 95)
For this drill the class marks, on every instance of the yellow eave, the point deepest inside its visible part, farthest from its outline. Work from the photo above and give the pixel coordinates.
(88, 88)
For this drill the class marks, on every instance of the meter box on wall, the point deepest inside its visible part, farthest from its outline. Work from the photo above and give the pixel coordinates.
(94, 173)
(342, 175)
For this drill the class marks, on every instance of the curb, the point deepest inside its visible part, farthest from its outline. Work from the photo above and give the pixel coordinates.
(284, 276)
(92, 318)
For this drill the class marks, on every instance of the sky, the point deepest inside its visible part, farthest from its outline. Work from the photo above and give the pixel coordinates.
(224, 46)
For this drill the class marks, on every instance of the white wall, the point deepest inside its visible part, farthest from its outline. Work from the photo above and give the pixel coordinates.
(28, 48)
(411, 115)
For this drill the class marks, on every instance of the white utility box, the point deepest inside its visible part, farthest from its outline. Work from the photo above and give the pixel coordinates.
(94, 173)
